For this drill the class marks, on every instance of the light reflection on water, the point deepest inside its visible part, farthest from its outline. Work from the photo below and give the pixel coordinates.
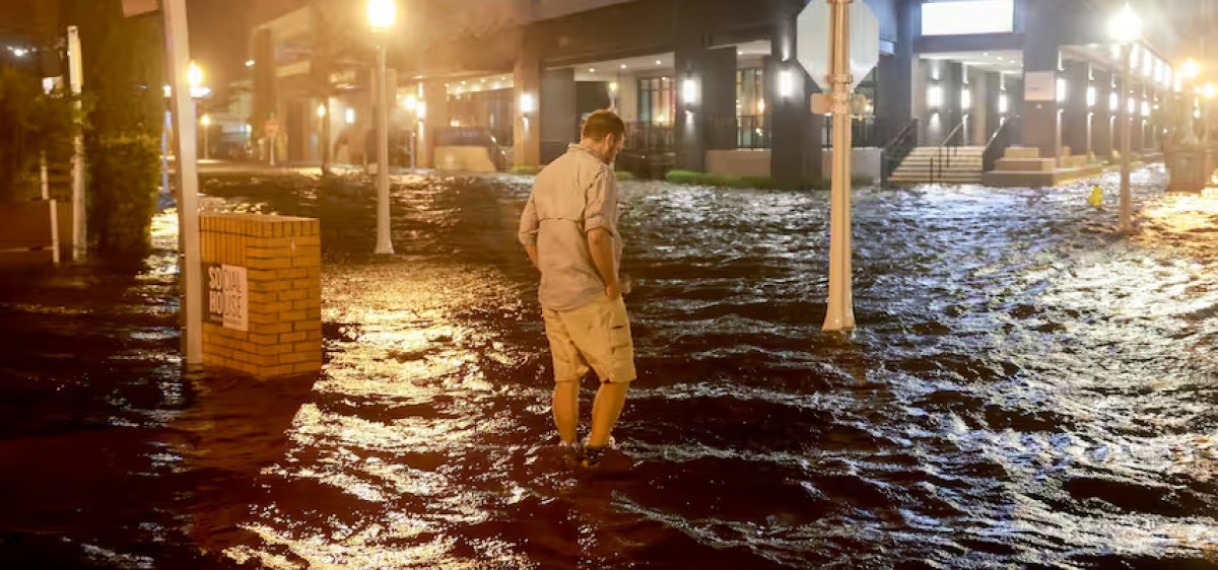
(1026, 387)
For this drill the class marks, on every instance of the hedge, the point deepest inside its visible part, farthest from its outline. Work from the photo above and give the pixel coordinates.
(124, 177)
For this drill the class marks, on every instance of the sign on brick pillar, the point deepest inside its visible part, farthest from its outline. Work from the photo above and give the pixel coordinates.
(266, 316)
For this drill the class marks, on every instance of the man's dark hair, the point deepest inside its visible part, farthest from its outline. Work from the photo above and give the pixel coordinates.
(603, 123)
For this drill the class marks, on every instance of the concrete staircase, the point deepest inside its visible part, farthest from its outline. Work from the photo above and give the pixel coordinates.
(924, 165)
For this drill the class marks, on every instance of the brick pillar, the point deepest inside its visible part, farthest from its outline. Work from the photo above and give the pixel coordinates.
(1076, 128)
(1101, 114)
(269, 323)
(526, 124)
(1041, 121)
(435, 107)
(795, 133)
(558, 116)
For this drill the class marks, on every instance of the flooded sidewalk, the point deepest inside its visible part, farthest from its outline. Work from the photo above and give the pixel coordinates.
(1026, 387)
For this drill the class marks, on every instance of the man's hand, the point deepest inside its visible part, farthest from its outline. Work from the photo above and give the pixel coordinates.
(532, 251)
(626, 283)
(600, 245)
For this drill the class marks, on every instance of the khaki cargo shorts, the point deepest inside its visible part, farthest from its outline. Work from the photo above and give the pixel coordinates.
(596, 335)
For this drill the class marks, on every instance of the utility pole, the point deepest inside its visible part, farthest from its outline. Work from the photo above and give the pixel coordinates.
(1126, 201)
(177, 55)
(80, 233)
(840, 314)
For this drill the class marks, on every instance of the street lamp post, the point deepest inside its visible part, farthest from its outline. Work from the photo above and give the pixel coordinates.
(381, 16)
(206, 122)
(1209, 92)
(1125, 28)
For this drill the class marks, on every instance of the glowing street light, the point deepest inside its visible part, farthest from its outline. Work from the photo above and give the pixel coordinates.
(382, 15)
(1125, 28)
(1190, 70)
(194, 75)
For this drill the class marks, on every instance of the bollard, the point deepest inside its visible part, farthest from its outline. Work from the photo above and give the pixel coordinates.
(262, 294)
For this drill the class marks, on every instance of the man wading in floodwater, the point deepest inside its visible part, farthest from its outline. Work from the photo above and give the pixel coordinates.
(569, 229)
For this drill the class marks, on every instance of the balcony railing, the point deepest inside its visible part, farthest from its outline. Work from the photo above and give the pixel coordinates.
(864, 133)
(732, 131)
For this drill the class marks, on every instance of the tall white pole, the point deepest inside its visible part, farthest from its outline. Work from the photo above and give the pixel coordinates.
(177, 55)
(384, 242)
(840, 314)
(80, 234)
(1126, 206)
(52, 204)
(166, 130)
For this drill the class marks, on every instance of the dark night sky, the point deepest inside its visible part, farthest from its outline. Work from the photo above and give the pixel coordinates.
(219, 38)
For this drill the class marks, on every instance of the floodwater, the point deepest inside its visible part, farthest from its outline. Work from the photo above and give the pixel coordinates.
(1026, 387)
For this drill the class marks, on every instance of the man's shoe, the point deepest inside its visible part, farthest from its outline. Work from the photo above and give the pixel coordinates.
(592, 456)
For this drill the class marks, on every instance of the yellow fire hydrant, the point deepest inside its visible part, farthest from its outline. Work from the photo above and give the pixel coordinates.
(1097, 197)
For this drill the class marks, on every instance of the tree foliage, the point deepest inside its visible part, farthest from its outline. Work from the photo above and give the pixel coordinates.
(32, 123)
(124, 67)
(123, 74)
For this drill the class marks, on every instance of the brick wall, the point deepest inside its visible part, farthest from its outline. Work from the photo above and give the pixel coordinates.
(282, 257)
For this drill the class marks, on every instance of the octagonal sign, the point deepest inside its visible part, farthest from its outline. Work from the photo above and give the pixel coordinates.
(814, 41)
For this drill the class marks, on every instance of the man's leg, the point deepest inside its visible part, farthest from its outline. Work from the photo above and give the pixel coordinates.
(569, 369)
(610, 399)
(566, 410)
(606, 343)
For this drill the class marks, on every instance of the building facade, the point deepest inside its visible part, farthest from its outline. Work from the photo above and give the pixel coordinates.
(715, 85)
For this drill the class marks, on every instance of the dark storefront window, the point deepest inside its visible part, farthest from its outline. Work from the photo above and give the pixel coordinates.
(752, 128)
(864, 131)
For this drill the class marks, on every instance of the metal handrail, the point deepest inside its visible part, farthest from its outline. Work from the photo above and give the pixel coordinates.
(945, 159)
(993, 146)
(898, 148)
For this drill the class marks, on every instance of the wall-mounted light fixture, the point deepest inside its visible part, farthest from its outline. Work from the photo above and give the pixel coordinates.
(321, 111)
(350, 116)
(1114, 102)
(1004, 104)
(934, 97)
(1061, 89)
(786, 83)
(1091, 96)
(966, 99)
(689, 91)
(528, 103)
(1145, 108)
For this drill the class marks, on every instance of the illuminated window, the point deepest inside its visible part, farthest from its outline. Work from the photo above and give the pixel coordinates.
(657, 102)
(967, 17)
(751, 124)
